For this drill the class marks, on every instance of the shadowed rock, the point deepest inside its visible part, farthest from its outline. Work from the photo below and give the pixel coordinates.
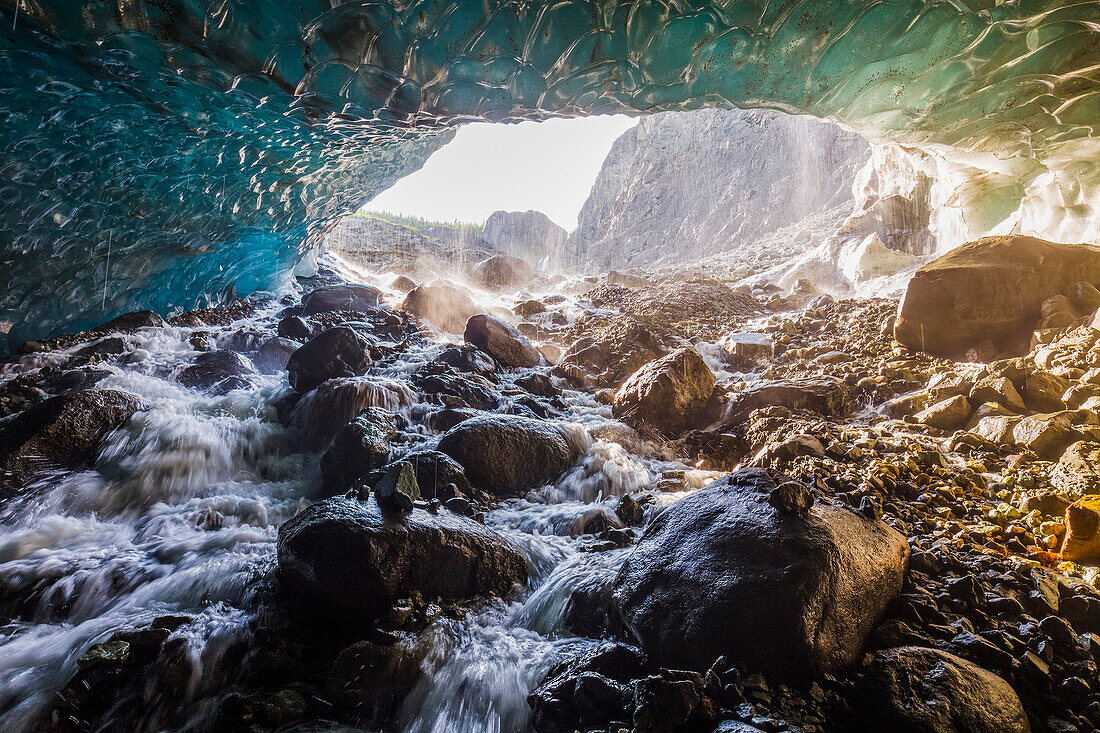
(337, 352)
(341, 298)
(665, 394)
(500, 341)
(444, 305)
(722, 572)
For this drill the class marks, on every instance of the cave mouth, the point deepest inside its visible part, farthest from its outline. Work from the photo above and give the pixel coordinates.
(208, 150)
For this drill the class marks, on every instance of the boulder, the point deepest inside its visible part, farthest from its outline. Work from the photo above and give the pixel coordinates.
(468, 358)
(528, 308)
(990, 289)
(444, 305)
(508, 454)
(373, 678)
(999, 390)
(397, 490)
(1077, 472)
(1082, 540)
(337, 352)
(997, 428)
(294, 327)
(438, 476)
(562, 703)
(350, 562)
(131, 322)
(362, 446)
(330, 298)
(274, 354)
(1043, 391)
(61, 432)
(954, 412)
(792, 595)
(665, 395)
(825, 395)
(919, 690)
(402, 284)
(1085, 297)
(503, 271)
(500, 341)
(218, 371)
(746, 350)
(1048, 435)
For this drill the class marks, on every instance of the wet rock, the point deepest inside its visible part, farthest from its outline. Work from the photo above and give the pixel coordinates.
(131, 322)
(294, 327)
(930, 691)
(373, 678)
(443, 420)
(1082, 541)
(444, 305)
(629, 511)
(990, 289)
(63, 432)
(791, 498)
(468, 358)
(217, 371)
(398, 488)
(722, 572)
(1078, 469)
(337, 352)
(825, 395)
(1043, 391)
(528, 308)
(665, 395)
(274, 354)
(746, 350)
(507, 455)
(458, 390)
(999, 390)
(952, 413)
(402, 284)
(329, 298)
(1047, 435)
(362, 446)
(605, 671)
(611, 356)
(997, 428)
(438, 476)
(500, 341)
(110, 346)
(349, 561)
(538, 384)
(503, 271)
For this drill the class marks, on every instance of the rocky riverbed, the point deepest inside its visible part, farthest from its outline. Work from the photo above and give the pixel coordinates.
(602, 504)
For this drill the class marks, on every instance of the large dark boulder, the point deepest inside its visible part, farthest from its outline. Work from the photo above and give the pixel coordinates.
(918, 690)
(500, 341)
(825, 395)
(989, 290)
(508, 454)
(444, 305)
(131, 322)
(350, 561)
(438, 476)
(337, 352)
(360, 447)
(61, 432)
(330, 298)
(666, 394)
(218, 371)
(792, 594)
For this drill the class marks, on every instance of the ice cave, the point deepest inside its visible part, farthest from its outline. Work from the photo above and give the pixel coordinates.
(797, 429)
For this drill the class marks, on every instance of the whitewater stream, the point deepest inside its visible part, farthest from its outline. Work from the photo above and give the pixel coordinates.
(181, 515)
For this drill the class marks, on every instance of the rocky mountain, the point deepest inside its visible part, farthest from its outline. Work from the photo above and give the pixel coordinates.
(683, 185)
(528, 234)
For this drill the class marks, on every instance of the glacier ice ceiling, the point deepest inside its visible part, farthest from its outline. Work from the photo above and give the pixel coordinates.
(156, 153)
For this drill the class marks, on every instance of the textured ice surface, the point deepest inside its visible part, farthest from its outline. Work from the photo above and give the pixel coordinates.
(157, 153)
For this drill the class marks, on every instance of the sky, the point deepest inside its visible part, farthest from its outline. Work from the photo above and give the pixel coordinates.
(547, 166)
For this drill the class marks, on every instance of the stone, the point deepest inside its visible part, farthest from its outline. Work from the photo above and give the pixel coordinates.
(438, 476)
(361, 446)
(988, 289)
(1043, 391)
(746, 350)
(274, 354)
(665, 395)
(1085, 297)
(721, 572)
(218, 371)
(508, 454)
(528, 308)
(792, 498)
(337, 352)
(446, 306)
(131, 322)
(398, 488)
(999, 390)
(555, 707)
(825, 395)
(294, 327)
(63, 432)
(626, 280)
(997, 428)
(500, 341)
(952, 413)
(1078, 469)
(1048, 435)
(918, 690)
(349, 562)
(373, 678)
(329, 298)
(1082, 540)
(402, 284)
(503, 271)
(468, 358)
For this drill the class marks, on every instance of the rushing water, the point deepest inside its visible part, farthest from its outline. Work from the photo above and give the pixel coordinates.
(181, 513)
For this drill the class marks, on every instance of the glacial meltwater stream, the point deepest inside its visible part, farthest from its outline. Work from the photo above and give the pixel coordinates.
(181, 514)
